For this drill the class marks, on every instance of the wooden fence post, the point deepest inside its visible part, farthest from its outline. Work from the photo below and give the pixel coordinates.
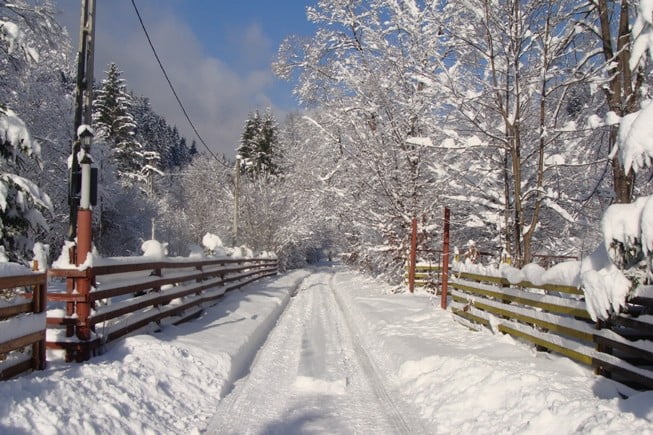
(445, 258)
(413, 257)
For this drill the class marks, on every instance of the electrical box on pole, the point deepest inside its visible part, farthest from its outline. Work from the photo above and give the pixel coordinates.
(76, 185)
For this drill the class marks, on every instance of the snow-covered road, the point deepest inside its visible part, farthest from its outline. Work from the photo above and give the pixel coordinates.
(313, 375)
(324, 350)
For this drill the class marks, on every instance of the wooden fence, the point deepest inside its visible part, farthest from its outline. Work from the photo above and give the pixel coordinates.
(22, 324)
(555, 318)
(126, 297)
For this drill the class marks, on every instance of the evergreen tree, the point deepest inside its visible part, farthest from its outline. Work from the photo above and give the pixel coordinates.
(26, 31)
(114, 122)
(247, 148)
(259, 144)
(150, 133)
(268, 144)
(193, 150)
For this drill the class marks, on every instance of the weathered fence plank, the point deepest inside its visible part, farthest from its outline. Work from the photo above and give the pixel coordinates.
(25, 323)
(127, 297)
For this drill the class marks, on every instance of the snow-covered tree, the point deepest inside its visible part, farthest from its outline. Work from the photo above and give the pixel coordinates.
(622, 266)
(259, 145)
(114, 122)
(27, 31)
(363, 73)
(476, 104)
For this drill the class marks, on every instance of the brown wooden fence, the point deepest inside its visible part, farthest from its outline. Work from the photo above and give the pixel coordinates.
(126, 297)
(22, 323)
(555, 318)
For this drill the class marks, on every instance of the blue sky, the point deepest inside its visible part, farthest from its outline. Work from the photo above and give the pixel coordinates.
(217, 53)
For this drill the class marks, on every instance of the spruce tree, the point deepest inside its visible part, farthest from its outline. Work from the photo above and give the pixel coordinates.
(193, 149)
(247, 148)
(114, 122)
(259, 144)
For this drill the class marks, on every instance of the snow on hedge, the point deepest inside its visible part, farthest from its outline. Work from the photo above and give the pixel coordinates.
(567, 273)
(604, 285)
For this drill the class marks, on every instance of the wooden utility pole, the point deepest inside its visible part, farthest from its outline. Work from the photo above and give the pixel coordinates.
(236, 200)
(83, 106)
(80, 175)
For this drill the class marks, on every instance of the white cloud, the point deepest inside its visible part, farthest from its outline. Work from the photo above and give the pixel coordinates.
(216, 96)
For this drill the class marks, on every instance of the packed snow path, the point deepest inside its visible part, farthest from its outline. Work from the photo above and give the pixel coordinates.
(313, 375)
(345, 354)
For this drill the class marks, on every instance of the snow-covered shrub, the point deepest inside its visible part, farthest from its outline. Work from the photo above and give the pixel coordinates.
(213, 245)
(154, 249)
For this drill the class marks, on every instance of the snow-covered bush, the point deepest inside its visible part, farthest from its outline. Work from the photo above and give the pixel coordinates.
(213, 244)
(154, 249)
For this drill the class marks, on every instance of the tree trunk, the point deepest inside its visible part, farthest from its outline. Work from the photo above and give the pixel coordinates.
(621, 94)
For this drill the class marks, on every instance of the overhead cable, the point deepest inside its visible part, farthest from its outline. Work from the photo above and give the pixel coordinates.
(172, 88)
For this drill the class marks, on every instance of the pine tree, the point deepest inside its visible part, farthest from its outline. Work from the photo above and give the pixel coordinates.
(268, 144)
(259, 144)
(247, 148)
(193, 149)
(114, 122)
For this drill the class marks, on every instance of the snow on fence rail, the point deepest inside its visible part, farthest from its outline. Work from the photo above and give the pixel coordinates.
(555, 317)
(126, 297)
(22, 324)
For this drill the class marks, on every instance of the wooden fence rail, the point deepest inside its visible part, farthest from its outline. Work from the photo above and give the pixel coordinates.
(555, 318)
(22, 324)
(126, 297)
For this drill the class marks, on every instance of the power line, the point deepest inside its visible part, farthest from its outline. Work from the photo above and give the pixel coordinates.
(172, 88)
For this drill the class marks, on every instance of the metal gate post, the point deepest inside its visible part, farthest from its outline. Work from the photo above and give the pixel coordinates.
(83, 284)
(413, 256)
(445, 258)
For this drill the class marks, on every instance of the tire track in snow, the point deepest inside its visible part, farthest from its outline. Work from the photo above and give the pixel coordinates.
(395, 415)
(227, 408)
(259, 400)
(311, 375)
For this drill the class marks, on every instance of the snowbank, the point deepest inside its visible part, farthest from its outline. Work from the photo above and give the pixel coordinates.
(168, 382)
(214, 245)
(460, 381)
(455, 380)
(13, 269)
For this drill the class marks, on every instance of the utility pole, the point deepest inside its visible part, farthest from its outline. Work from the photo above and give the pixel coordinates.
(236, 200)
(83, 107)
(80, 192)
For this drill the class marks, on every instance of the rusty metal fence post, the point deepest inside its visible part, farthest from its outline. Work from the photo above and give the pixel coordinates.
(445, 258)
(39, 304)
(413, 257)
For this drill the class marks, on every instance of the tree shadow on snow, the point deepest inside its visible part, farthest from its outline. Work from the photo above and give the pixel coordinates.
(639, 403)
(304, 423)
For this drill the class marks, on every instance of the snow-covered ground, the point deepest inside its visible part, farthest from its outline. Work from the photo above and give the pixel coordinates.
(345, 356)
